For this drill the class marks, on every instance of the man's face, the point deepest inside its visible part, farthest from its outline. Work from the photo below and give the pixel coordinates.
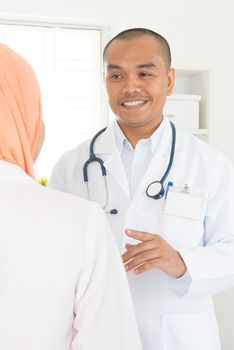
(137, 80)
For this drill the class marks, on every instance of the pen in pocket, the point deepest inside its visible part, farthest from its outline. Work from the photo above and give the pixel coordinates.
(170, 184)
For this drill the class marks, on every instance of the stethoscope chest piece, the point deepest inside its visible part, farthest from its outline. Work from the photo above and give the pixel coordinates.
(155, 190)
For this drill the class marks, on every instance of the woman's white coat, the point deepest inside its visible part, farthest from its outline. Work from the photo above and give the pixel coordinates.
(62, 285)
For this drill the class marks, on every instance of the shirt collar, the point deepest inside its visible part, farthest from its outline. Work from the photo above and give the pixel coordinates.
(154, 139)
(119, 137)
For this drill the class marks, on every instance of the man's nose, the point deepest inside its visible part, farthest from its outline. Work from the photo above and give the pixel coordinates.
(132, 86)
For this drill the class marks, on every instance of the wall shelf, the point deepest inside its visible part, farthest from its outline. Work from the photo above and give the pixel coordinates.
(195, 82)
(202, 132)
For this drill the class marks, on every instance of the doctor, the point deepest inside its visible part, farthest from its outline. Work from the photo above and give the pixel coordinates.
(168, 196)
(62, 282)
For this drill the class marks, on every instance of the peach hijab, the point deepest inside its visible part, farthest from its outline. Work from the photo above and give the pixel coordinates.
(20, 110)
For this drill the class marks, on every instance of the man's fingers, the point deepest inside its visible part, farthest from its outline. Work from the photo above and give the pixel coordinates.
(141, 259)
(140, 235)
(149, 265)
(129, 246)
(135, 250)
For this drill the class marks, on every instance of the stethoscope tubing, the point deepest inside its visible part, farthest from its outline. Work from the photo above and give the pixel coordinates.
(173, 143)
(93, 158)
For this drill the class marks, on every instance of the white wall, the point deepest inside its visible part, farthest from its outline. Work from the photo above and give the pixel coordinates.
(201, 33)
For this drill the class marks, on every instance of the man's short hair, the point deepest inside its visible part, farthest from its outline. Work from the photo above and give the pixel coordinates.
(132, 33)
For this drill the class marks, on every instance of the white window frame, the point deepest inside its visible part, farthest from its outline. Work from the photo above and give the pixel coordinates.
(67, 23)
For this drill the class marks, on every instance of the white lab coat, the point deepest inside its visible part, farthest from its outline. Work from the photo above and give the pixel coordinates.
(62, 283)
(173, 314)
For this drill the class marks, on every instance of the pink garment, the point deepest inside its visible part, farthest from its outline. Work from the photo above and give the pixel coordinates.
(20, 110)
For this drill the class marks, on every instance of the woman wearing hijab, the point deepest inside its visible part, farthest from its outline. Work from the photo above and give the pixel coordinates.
(62, 285)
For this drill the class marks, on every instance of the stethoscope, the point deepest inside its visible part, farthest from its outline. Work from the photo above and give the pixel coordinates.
(155, 190)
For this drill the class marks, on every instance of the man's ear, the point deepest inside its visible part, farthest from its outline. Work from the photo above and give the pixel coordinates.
(170, 81)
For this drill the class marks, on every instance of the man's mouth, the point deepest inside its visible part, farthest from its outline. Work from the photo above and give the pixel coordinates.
(133, 103)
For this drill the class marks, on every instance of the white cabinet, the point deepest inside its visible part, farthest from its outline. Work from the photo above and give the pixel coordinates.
(183, 111)
(189, 105)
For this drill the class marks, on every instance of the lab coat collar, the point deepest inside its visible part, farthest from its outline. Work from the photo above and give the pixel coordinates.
(106, 148)
(106, 143)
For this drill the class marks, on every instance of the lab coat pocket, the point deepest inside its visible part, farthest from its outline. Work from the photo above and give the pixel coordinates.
(186, 332)
(184, 203)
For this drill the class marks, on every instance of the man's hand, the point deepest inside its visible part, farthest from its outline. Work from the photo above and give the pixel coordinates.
(152, 252)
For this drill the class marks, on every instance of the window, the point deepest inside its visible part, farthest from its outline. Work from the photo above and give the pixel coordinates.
(67, 62)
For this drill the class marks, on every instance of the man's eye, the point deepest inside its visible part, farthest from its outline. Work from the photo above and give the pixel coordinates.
(144, 75)
(116, 76)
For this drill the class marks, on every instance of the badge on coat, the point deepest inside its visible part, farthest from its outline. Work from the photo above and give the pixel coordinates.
(184, 202)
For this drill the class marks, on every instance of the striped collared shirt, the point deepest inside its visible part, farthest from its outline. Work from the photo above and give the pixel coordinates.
(136, 161)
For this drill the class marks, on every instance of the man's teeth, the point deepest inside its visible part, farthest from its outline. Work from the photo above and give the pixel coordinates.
(133, 103)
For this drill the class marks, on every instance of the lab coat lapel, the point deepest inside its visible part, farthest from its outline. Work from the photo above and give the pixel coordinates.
(107, 150)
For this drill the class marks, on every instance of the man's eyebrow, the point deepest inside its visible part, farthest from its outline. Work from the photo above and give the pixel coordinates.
(141, 66)
(146, 65)
(113, 66)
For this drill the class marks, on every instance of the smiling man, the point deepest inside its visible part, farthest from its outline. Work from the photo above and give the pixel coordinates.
(138, 79)
(169, 198)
